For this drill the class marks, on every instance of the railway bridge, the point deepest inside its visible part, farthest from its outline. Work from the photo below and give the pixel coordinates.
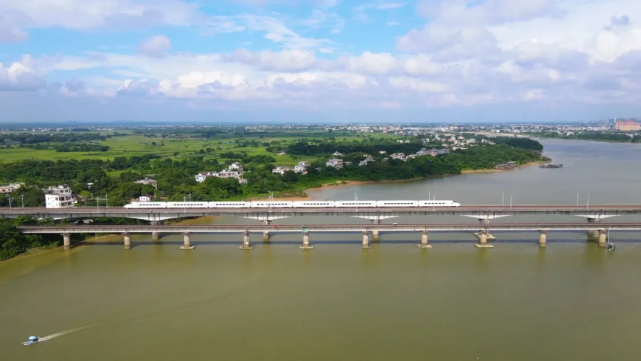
(483, 231)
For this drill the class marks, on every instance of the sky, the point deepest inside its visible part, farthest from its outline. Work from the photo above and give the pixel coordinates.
(307, 61)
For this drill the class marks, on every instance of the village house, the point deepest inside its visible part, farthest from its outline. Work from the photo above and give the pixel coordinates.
(148, 181)
(301, 167)
(59, 197)
(335, 162)
(280, 170)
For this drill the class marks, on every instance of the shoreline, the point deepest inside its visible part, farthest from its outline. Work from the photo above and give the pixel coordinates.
(526, 165)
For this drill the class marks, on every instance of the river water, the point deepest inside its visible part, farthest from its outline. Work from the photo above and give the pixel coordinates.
(569, 301)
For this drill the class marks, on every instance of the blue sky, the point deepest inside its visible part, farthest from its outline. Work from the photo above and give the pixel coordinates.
(319, 60)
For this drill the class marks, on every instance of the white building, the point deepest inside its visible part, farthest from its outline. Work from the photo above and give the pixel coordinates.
(59, 197)
(400, 156)
(301, 167)
(10, 187)
(337, 154)
(280, 170)
(237, 167)
(148, 181)
(225, 173)
(335, 162)
(144, 199)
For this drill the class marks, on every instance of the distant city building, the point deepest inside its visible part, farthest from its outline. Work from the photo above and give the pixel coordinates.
(59, 197)
(627, 126)
(148, 181)
(10, 187)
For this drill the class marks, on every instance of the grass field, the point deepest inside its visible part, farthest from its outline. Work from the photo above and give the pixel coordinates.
(175, 148)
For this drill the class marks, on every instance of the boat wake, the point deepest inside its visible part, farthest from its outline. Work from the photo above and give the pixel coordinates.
(58, 334)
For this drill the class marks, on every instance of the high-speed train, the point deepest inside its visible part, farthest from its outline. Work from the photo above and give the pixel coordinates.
(297, 204)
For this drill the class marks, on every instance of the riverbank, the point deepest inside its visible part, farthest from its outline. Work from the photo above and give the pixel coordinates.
(526, 165)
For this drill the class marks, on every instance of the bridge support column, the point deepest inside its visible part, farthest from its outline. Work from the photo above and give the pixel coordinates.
(127, 239)
(424, 240)
(266, 222)
(266, 236)
(365, 240)
(603, 238)
(483, 235)
(593, 233)
(543, 238)
(155, 236)
(376, 236)
(306, 244)
(246, 245)
(187, 242)
(66, 241)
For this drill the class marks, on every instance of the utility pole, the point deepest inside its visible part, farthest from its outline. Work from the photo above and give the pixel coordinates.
(510, 201)
(22, 198)
(106, 200)
(577, 198)
(10, 199)
(503, 198)
(587, 205)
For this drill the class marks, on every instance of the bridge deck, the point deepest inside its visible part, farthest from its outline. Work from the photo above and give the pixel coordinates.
(328, 228)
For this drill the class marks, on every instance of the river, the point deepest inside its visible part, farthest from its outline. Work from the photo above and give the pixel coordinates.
(569, 301)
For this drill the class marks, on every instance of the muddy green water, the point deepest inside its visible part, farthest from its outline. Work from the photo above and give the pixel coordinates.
(570, 301)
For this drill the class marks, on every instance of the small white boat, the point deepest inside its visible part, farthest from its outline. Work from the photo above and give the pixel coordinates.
(32, 340)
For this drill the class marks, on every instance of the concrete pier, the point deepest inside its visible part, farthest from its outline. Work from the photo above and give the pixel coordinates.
(482, 235)
(543, 238)
(66, 240)
(365, 240)
(266, 236)
(187, 242)
(306, 244)
(376, 236)
(155, 236)
(603, 238)
(246, 245)
(127, 239)
(424, 240)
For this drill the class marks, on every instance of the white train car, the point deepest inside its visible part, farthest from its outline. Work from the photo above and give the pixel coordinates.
(436, 203)
(352, 204)
(271, 204)
(397, 204)
(313, 204)
(187, 204)
(146, 205)
(229, 204)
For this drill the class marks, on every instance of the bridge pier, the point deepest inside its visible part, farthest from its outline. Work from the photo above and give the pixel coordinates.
(543, 238)
(376, 236)
(66, 241)
(155, 236)
(127, 240)
(306, 244)
(187, 242)
(603, 238)
(483, 235)
(365, 240)
(246, 245)
(424, 240)
(266, 236)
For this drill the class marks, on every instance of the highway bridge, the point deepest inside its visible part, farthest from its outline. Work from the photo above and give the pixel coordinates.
(599, 232)
(483, 213)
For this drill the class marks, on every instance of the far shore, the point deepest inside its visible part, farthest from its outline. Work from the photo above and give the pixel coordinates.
(352, 183)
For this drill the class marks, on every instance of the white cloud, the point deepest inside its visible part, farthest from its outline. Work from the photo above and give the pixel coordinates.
(286, 60)
(20, 76)
(371, 63)
(156, 46)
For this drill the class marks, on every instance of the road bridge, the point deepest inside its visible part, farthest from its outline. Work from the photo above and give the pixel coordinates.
(375, 229)
(483, 213)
